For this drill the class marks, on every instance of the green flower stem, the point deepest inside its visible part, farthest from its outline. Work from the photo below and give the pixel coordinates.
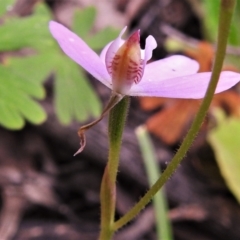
(117, 120)
(226, 12)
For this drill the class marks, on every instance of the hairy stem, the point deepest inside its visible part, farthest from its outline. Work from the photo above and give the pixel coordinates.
(226, 12)
(117, 120)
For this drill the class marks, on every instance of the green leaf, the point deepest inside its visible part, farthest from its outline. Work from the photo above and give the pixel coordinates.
(234, 35)
(5, 5)
(29, 73)
(18, 83)
(74, 97)
(83, 21)
(23, 77)
(102, 38)
(210, 21)
(15, 103)
(10, 118)
(225, 140)
(83, 24)
(32, 31)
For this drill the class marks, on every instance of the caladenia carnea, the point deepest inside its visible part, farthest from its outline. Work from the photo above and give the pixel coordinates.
(123, 67)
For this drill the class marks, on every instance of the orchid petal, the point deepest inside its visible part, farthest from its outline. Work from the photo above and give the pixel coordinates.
(111, 50)
(191, 86)
(80, 52)
(150, 45)
(104, 51)
(170, 67)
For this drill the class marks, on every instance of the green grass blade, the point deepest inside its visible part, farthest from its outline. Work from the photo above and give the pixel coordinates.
(163, 225)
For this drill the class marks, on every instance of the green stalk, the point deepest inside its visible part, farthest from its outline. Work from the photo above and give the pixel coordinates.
(226, 12)
(117, 118)
(163, 225)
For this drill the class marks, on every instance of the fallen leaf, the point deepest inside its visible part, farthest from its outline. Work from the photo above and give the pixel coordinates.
(171, 121)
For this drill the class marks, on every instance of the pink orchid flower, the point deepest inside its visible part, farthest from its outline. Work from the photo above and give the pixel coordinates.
(173, 77)
(122, 67)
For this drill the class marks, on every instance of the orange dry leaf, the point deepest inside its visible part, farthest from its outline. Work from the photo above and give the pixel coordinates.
(229, 101)
(203, 54)
(172, 121)
(170, 124)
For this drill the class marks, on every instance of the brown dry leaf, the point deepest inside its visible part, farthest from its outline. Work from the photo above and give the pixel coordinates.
(229, 101)
(203, 54)
(170, 123)
(151, 103)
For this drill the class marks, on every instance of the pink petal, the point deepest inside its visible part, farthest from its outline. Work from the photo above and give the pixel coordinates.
(191, 86)
(80, 52)
(117, 44)
(150, 45)
(170, 67)
(104, 51)
(113, 48)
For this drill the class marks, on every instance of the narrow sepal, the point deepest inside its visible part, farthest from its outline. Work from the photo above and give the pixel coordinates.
(114, 99)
